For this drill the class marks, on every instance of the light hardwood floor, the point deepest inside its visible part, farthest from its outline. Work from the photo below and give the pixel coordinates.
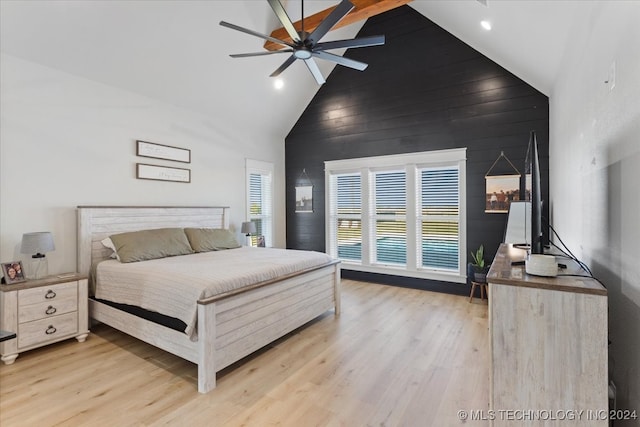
(394, 357)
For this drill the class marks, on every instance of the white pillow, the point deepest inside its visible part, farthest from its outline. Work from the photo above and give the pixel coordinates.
(107, 243)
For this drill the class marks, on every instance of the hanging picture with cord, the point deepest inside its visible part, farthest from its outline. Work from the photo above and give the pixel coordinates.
(501, 191)
(502, 185)
(304, 199)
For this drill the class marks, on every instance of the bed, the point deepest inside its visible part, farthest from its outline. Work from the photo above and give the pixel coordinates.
(230, 324)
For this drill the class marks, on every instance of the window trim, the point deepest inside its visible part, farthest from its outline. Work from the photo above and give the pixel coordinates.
(261, 168)
(411, 163)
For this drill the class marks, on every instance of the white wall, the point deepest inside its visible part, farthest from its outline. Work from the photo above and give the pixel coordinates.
(595, 170)
(67, 141)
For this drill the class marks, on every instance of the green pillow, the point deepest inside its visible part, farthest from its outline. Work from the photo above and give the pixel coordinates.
(151, 244)
(211, 239)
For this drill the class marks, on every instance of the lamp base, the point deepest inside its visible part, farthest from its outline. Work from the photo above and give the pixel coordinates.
(38, 268)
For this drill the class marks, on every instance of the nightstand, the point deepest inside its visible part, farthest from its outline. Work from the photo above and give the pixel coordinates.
(42, 312)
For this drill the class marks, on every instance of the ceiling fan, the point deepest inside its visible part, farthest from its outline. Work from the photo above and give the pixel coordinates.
(307, 46)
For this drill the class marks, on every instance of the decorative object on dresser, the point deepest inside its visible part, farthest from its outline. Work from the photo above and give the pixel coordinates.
(248, 228)
(12, 272)
(42, 312)
(37, 244)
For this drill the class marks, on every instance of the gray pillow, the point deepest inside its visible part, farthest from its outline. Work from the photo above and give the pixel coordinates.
(151, 244)
(211, 239)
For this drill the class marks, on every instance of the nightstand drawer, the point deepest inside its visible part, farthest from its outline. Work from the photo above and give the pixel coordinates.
(45, 330)
(47, 293)
(47, 309)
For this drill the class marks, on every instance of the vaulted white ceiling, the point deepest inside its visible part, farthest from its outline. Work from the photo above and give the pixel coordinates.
(176, 52)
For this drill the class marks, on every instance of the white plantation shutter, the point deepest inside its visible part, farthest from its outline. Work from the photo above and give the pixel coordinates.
(345, 218)
(439, 218)
(390, 222)
(260, 199)
(401, 214)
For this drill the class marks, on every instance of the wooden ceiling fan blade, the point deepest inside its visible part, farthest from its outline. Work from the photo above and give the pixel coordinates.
(357, 65)
(359, 42)
(313, 67)
(269, 52)
(254, 33)
(284, 66)
(284, 19)
(327, 24)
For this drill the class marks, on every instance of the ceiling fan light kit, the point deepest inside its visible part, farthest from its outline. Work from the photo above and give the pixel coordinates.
(307, 46)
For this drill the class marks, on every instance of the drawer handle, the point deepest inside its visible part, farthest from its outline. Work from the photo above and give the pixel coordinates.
(50, 294)
(50, 330)
(51, 309)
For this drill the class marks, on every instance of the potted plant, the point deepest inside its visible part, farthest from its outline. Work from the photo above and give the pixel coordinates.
(480, 268)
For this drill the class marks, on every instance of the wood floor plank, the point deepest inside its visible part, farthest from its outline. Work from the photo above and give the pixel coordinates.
(394, 357)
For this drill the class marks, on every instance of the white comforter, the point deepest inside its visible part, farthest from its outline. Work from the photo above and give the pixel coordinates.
(172, 286)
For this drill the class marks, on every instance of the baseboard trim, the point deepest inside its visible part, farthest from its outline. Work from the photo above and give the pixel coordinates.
(408, 282)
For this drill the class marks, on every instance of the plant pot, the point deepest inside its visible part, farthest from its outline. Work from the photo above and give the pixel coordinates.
(480, 276)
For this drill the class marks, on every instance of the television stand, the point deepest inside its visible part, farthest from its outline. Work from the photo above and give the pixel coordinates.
(548, 341)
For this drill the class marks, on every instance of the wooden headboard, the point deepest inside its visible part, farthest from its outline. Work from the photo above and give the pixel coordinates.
(97, 222)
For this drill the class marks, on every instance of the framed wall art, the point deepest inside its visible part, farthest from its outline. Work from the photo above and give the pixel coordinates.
(501, 190)
(164, 152)
(503, 187)
(304, 198)
(162, 173)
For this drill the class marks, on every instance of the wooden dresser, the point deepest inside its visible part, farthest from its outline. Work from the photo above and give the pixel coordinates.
(42, 312)
(548, 341)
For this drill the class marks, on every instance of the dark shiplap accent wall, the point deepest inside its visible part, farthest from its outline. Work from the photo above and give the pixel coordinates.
(424, 90)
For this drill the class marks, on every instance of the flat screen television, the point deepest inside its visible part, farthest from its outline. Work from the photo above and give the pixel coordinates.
(533, 194)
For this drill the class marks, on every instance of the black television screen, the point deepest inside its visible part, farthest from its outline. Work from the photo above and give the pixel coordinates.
(533, 193)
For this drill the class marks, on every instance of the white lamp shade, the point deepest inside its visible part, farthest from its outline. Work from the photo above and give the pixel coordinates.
(248, 227)
(37, 243)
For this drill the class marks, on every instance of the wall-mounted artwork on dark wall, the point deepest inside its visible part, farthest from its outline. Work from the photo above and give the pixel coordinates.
(304, 199)
(501, 191)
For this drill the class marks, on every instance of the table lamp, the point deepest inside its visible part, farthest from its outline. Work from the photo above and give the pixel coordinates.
(248, 228)
(37, 244)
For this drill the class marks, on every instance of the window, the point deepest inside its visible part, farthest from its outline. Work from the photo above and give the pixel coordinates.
(345, 216)
(390, 218)
(439, 218)
(260, 199)
(400, 214)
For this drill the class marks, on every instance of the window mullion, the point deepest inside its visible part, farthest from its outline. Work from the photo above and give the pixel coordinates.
(367, 210)
(412, 230)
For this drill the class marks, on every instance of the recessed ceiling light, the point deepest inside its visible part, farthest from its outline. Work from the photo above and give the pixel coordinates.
(486, 25)
(278, 84)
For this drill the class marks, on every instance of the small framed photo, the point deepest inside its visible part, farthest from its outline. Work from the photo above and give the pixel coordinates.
(260, 241)
(13, 272)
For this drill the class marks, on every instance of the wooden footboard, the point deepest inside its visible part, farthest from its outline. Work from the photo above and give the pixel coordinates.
(232, 327)
(246, 322)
